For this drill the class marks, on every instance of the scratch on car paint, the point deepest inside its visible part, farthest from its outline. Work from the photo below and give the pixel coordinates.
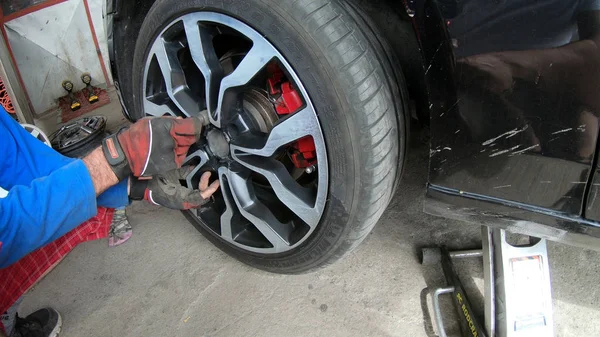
(578, 182)
(553, 139)
(504, 151)
(482, 151)
(508, 134)
(562, 131)
(519, 131)
(525, 150)
(438, 149)
(442, 114)
(433, 57)
(453, 105)
(430, 64)
(593, 201)
(503, 186)
(457, 131)
(581, 128)
(545, 181)
(498, 153)
(430, 106)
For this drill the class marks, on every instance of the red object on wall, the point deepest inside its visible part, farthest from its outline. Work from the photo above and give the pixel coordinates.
(5, 99)
(28, 8)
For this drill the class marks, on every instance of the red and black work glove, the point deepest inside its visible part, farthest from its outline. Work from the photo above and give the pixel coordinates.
(166, 190)
(151, 146)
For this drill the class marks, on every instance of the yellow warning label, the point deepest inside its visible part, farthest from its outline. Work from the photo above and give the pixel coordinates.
(467, 315)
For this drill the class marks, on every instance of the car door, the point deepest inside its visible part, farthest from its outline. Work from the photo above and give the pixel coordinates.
(516, 118)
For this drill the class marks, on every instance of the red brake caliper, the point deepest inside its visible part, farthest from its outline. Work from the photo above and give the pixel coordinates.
(288, 101)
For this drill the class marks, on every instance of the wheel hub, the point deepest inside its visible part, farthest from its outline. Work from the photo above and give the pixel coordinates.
(218, 143)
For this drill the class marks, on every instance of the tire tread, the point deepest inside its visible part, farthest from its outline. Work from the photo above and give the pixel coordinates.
(376, 201)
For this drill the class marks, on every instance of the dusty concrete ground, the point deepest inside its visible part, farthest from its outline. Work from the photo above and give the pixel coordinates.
(170, 281)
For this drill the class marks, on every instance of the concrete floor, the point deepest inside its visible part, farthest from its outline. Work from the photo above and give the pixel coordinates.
(170, 281)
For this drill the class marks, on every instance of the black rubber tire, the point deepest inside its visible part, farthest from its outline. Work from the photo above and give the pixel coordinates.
(394, 74)
(84, 147)
(395, 26)
(345, 71)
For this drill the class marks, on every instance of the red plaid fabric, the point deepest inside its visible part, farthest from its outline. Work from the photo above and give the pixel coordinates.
(16, 279)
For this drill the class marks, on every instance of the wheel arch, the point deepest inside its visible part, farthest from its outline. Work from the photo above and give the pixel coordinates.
(123, 23)
(398, 29)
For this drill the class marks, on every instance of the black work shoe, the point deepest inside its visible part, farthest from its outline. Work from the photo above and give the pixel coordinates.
(42, 323)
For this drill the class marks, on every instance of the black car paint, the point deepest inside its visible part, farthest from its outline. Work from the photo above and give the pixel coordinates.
(514, 117)
(518, 153)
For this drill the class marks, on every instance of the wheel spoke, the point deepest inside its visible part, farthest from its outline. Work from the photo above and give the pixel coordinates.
(297, 198)
(230, 208)
(176, 84)
(255, 60)
(255, 211)
(153, 109)
(299, 125)
(203, 156)
(205, 57)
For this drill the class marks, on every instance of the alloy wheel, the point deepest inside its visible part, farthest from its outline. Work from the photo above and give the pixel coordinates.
(264, 144)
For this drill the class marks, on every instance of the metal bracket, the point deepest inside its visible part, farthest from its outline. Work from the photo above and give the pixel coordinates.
(437, 311)
(518, 299)
(523, 290)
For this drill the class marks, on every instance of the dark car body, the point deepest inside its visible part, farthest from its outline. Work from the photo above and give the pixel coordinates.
(511, 92)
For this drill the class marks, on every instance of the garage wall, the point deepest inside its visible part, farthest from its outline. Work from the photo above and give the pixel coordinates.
(54, 44)
(97, 14)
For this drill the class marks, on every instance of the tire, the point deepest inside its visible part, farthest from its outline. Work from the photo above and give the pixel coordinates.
(391, 64)
(83, 147)
(86, 148)
(359, 102)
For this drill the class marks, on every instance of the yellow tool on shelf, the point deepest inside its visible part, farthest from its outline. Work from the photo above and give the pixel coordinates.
(87, 80)
(68, 86)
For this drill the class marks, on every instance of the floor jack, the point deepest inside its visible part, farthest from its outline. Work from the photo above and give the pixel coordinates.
(517, 291)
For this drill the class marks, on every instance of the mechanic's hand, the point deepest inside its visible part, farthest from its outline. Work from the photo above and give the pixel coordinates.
(166, 190)
(151, 146)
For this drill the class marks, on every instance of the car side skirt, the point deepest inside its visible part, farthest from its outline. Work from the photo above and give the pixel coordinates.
(512, 216)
